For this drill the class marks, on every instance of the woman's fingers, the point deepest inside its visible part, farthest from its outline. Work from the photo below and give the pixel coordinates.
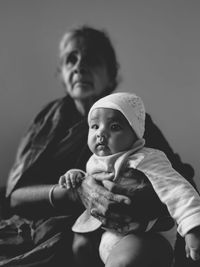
(112, 220)
(116, 192)
(103, 176)
(107, 206)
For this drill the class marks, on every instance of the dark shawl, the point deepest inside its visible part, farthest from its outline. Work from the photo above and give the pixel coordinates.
(55, 142)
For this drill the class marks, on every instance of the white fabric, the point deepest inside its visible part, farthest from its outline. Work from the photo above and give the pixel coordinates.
(182, 200)
(110, 239)
(110, 164)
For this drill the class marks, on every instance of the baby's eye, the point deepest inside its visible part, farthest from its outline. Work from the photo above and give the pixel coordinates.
(116, 127)
(94, 126)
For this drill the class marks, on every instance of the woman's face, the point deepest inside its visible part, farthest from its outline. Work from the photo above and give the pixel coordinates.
(84, 71)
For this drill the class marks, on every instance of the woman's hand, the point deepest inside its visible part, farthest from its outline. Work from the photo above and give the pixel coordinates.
(117, 204)
(145, 204)
(103, 204)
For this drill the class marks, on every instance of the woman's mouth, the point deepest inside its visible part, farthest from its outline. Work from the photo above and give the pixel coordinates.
(82, 83)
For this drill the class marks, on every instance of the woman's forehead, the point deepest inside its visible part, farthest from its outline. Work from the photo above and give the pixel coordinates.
(81, 44)
(73, 44)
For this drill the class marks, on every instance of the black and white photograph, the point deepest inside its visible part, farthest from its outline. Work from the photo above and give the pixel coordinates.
(100, 129)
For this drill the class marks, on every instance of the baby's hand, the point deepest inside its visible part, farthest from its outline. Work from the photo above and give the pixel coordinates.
(71, 179)
(192, 244)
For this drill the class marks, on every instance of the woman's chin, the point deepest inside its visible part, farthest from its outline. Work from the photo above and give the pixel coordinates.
(82, 93)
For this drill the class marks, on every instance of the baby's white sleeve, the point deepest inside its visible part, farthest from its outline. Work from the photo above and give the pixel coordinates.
(182, 200)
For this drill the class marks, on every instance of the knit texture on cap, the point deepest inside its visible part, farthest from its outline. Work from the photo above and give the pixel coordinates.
(129, 104)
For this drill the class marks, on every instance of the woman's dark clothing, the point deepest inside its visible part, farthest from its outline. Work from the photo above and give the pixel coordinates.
(51, 145)
(55, 142)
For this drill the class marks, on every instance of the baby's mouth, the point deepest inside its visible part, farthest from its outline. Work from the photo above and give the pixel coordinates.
(101, 146)
(102, 149)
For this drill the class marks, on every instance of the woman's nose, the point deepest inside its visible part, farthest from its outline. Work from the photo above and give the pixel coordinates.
(81, 65)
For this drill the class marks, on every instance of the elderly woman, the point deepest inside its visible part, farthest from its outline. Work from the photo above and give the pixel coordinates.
(56, 141)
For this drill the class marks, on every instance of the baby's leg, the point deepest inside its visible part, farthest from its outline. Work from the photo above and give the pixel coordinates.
(85, 249)
(141, 250)
(108, 241)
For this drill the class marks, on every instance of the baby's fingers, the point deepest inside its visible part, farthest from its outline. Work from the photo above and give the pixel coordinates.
(62, 181)
(76, 179)
(187, 251)
(68, 182)
(192, 240)
(194, 254)
(72, 180)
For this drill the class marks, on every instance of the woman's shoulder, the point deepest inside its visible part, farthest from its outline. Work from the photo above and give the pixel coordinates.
(148, 120)
(53, 107)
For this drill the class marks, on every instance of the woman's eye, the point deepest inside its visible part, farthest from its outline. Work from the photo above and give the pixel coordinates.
(71, 59)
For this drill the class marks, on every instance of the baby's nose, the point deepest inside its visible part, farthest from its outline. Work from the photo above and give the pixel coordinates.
(101, 137)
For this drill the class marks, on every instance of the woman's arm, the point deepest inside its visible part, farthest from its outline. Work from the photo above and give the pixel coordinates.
(92, 195)
(32, 145)
(25, 200)
(32, 175)
(116, 204)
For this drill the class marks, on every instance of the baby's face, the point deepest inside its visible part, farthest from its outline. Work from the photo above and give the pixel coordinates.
(109, 132)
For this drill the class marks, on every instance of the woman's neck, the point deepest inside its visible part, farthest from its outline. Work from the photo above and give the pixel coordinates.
(83, 105)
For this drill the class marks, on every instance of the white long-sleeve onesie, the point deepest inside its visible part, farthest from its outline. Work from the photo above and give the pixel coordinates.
(181, 199)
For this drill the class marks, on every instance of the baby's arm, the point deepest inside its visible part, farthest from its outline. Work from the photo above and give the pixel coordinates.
(71, 179)
(182, 200)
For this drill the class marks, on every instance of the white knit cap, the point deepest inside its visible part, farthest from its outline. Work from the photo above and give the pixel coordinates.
(129, 104)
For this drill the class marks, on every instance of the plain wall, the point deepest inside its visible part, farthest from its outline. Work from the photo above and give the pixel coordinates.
(158, 47)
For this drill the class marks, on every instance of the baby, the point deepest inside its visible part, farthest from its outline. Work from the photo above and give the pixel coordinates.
(116, 129)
